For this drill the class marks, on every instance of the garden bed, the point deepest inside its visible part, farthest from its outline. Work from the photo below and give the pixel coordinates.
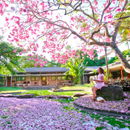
(108, 106)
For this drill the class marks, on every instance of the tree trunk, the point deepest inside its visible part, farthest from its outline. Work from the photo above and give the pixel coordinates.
(122, 59)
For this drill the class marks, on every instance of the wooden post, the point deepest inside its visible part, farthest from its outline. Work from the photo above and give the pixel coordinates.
(83, 79)
(121, 73)
(110, 71)
(48, 80)
(60, 80)
(56, 79)
(129, 75)
(106, 62)
(26, 81)
(37, 80)
(4, 81)
(15, 81)
(11, 81)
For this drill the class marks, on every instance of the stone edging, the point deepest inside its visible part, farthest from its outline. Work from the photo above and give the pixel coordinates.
(32, 96)
(102, 111)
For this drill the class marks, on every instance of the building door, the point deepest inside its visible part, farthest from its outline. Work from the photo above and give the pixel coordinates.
(9, 81)
(44, 80)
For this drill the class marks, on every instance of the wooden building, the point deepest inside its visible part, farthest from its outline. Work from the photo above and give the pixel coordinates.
(116, 69)
(46, 76)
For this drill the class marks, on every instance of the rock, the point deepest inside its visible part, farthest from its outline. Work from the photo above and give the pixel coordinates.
(40, 97)
(57, 90)
(56, 87)
(54, 97)
(79, 94)
(111, 93)
(26, 96)
(64, 96)
(7, 95)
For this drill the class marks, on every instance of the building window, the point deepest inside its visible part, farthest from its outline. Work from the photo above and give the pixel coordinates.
(13, 78)
(1, 78)
(1, 81)
(34, 78)
(63, 78)
(53, 78)
(59, 77)
(20, 78)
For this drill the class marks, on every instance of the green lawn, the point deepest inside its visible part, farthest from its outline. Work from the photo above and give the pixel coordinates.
(11, 90)
(78, 87)
(47, 92)
(86, 88)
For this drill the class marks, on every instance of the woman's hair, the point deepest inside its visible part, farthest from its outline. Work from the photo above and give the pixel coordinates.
(101, 70)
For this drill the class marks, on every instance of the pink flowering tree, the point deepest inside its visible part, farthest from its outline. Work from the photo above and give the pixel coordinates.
(47, 25)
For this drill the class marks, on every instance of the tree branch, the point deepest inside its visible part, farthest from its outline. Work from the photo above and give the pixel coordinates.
(119, 23)
(104, 10)
(88, 15)
(100, 43)
(123, 17)
(92, 8)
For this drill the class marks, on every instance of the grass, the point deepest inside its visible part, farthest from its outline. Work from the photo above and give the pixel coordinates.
(110, 119)
(11, 90)
(104, 118)
(84, 87)
(47, 92)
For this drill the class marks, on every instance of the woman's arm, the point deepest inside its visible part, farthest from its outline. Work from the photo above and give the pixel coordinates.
(102, 79)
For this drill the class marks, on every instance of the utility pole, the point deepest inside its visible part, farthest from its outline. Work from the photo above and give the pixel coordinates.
(106, 62)
(128, 47)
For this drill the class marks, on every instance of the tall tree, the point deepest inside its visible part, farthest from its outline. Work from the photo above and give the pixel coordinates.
(9, 58)
(94, 22)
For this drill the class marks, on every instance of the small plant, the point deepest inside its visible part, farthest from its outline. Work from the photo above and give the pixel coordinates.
(105, 75)
(94, 71)
(125, 83)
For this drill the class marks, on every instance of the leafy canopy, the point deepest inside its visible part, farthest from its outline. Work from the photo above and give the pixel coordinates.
(9, 58)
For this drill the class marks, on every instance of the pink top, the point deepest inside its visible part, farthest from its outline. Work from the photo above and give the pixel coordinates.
(99, 85)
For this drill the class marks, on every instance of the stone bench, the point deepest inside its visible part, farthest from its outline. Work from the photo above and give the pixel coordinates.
(111, 93)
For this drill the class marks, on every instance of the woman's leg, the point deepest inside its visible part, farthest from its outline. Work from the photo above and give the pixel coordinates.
(93, 88)
(94, 92)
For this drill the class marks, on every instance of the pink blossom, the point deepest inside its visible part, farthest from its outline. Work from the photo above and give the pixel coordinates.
(15, 51)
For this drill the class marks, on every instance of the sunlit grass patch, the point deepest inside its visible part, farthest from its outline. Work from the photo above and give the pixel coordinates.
(47, 92)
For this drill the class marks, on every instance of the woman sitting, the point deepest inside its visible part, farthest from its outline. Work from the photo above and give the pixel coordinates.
(99, 84)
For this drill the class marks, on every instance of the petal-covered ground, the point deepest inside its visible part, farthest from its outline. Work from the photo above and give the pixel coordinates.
(114, 106)
(41, 114)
